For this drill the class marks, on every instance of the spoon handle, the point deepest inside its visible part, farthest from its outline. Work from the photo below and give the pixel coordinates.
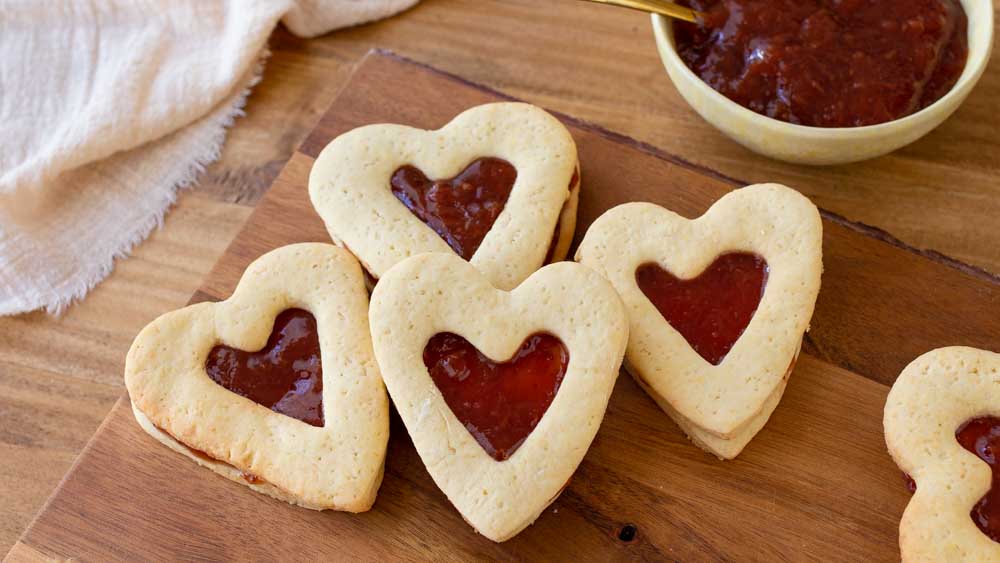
(661, 7)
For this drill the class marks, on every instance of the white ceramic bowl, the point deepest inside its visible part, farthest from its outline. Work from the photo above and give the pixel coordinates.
(825, 145)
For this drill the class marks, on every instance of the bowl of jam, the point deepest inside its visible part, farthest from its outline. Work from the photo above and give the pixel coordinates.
(827, 81)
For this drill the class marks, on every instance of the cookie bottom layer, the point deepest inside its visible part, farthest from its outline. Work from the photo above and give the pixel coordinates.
(729, 446)
(566, 224)
(226, 470)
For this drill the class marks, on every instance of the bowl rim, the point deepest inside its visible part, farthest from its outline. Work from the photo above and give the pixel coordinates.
(975, 65)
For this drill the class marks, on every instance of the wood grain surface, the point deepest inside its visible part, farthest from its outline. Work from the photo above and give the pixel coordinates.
(815, 484)
(59, 377)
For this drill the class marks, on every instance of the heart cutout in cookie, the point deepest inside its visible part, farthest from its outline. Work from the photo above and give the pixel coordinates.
(286, 375)
(461, 209)
(491, 186)
(499, 403)
(711, 310)
(981, 436)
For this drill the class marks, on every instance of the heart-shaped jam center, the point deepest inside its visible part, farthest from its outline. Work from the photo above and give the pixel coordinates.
(286, 375)
(499, 403)
(712, 310)
(981, 436)
(461, 209)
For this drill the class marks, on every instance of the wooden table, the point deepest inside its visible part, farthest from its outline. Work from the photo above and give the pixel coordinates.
(58, 378)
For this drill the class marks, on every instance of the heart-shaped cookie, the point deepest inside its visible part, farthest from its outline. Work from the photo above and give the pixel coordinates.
(497, 185)
(942, 427)
(276, 387)
(501, 392)
(717, 305)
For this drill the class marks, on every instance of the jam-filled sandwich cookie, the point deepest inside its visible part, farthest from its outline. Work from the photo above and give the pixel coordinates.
(501, 392)
(498, 186)
(942, 427)
(276, 387)
(718, 305)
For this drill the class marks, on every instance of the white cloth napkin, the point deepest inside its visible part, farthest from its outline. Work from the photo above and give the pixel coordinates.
(107, 107)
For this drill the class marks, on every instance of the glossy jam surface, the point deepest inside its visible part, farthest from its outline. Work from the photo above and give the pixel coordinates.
(285, 376)
(499, 403)
(461, 209)
(712, 310)
(981, 436)
(827, 63)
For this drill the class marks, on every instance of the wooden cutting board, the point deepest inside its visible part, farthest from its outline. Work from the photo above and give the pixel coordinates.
(816, 483)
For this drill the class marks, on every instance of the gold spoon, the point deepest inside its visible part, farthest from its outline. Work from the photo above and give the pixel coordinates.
(661, 7)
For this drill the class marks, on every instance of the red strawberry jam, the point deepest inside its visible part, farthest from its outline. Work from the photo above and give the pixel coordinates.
(712, 310)
(827, 63)
(499, 403)
(981, 436)
(461, 209)
(285, 375)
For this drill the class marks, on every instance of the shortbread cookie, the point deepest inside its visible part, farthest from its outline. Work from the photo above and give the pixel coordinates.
(942, 427)
(717, 305)
(298, 412)
(498, 185)
(501, 392)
